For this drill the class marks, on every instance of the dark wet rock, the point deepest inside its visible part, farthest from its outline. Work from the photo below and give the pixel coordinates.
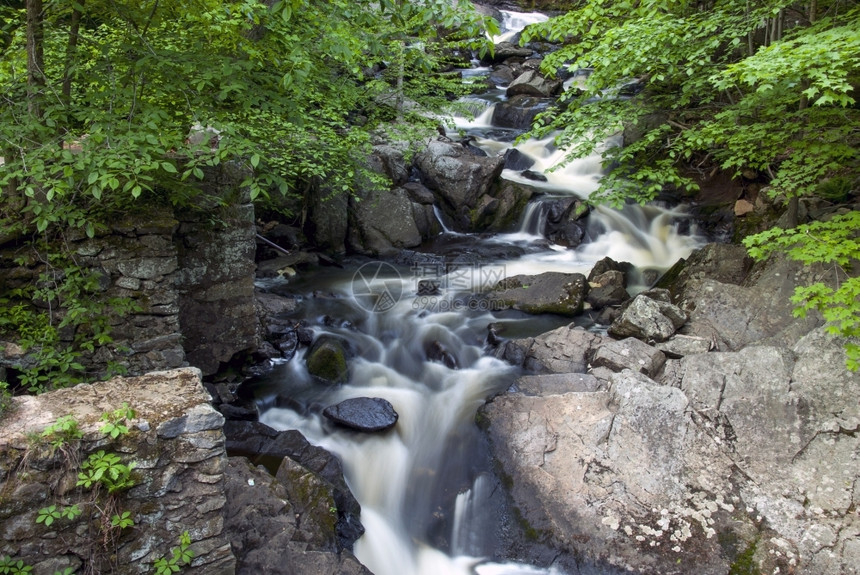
(534, 176)
(382, 222)
(648, 319)
(328, 220)
(505, 50)
(607, 289)
(419, 193)
(519, 112)
(468, 143)
(327, 360)
(268, 447)
(549, 292)
(366, 414)
(436, 351)
(629, 353)
(566, 221)
(501, 75)
(304, 334)
(608, 264)
(457, 178)
(501, 209)
(239, 411)
(267, 532)
(287, 344)
(429, 287)
(517, 161)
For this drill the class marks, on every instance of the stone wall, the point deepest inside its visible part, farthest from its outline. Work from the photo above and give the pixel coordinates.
(176, 443)
(215, 280)
(190, 272)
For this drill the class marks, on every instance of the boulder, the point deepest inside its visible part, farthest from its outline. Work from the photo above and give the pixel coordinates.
(648, 319)
(328, 220)
(725, 263)
(327, 360)
(567, 349)
(608, 264)
(517, 161)
(607, 289)
(275, 527)
(268, 447)
(533, 83)
(505, 50)
(619, 477)
(629, 353)
(501, 208)
(758, 311)
(501, 75)
(549, 292)
(566, 221)
(366, 414)
(519, 111)
(384, 222)
(388, 160)
(457, 178)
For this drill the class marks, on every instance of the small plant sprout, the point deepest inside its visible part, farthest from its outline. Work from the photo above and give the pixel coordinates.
(116, 421)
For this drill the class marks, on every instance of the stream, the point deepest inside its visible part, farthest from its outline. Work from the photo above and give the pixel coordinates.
(426, 487)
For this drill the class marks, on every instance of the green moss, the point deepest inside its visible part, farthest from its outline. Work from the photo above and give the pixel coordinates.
(744, 563)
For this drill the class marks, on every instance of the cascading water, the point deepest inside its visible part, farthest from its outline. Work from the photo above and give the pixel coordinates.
(426, 486)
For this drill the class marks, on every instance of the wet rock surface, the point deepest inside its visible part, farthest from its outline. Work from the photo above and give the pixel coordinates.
(273, 528)
(368, 414)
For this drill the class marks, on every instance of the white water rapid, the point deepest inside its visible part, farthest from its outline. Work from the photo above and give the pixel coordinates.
(430, 502)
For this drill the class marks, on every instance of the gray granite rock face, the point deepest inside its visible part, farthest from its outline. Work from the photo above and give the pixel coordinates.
(741, 447)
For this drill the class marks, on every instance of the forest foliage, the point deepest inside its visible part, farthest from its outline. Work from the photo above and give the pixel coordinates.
(106, 104)
(766, 87)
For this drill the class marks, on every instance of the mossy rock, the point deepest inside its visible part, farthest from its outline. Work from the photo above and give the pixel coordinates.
(327, 360)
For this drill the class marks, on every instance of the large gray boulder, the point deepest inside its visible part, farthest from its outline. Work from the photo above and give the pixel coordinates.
(383, 222)
(648, 319)
(549, 292)
(457, 178)
(629, 353)
(533, 83)
(283, 525)
(567, 349)
(612, 476)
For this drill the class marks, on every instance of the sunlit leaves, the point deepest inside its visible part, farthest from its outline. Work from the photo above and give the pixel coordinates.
(836, 242)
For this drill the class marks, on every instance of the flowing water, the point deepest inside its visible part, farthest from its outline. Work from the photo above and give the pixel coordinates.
(430, 504)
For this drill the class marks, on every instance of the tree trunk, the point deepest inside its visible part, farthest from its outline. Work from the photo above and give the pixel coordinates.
(35, 57)
(71, 52)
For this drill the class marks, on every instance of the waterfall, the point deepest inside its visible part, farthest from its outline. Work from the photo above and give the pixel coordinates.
(513, 23)
(425, 486)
